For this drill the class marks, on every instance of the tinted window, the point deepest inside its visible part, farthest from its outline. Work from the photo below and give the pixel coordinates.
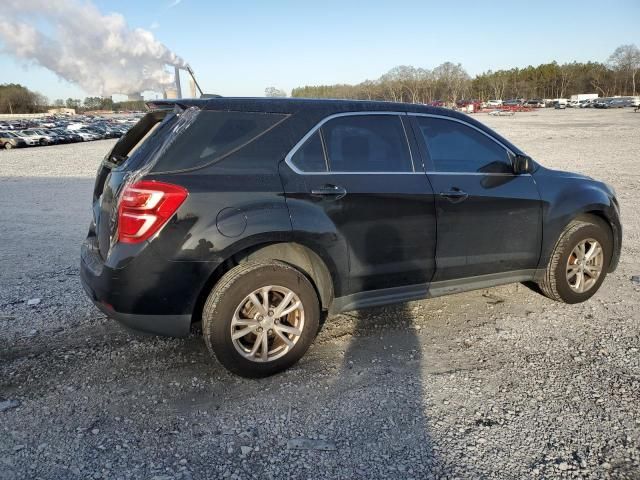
(310, 157)
(213, 135)
(367, 143)
(455, 147)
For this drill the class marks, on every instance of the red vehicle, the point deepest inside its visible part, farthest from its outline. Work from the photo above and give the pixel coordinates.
(437, 103)
(477, 104)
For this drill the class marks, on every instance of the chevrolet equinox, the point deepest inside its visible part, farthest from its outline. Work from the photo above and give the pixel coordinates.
(257, 216)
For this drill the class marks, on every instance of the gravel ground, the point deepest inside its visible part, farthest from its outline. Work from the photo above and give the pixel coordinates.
(500, 383)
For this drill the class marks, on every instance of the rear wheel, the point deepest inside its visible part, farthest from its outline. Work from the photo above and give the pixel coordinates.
(579, 263)
(7, 146)
(260, 318)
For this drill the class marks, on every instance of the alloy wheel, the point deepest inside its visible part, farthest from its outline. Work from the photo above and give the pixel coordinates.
(267, 323)
(584, 265)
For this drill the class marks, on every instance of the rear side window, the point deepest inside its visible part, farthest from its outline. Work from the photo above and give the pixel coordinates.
(310, 157)
(367, 143)
(214, 135)
(456, 147)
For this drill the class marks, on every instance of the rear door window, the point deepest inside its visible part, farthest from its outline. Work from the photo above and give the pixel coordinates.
(367, 143)
(310, 157)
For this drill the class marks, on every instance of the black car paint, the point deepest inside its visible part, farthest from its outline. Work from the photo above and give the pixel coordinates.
(407, 242)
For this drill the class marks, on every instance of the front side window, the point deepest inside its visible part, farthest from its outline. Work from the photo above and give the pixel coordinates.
(458, 148)
(367, 143)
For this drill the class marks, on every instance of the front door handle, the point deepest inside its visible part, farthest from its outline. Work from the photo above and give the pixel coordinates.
(334, 191)
(455, 195)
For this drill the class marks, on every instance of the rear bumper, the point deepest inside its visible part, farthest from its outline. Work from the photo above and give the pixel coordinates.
(143, 299)
(166, 325)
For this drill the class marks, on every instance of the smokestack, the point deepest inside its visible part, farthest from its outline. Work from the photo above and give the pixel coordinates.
(178, 87)
(170, 93)
(192, 88)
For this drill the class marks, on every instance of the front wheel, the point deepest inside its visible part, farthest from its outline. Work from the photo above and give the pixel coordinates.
(8, 146)
(260, 318)
(579, 263)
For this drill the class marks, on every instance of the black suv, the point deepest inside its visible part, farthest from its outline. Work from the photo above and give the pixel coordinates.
(257, 216)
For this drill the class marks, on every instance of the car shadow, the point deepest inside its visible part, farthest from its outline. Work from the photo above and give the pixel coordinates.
(377, 392)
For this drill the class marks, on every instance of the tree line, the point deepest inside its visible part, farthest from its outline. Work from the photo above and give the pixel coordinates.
(99, 103)
(16, 99)
(450, 82)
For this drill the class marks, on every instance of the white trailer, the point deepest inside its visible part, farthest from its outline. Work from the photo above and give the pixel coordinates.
(584, 96)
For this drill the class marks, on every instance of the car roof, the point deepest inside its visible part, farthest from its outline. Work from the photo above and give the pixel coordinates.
(295, 105)
(318, 108)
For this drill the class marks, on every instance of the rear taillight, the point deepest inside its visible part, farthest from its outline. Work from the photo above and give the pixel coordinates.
(145, 207)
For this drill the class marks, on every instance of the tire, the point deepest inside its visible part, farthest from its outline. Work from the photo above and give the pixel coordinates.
(557, 283)
(225, 303)
(7, 146)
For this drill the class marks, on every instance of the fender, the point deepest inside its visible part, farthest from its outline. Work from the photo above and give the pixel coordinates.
(566, 197)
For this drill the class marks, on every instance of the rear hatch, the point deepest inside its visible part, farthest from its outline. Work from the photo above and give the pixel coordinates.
(171, 139)
(131, 157)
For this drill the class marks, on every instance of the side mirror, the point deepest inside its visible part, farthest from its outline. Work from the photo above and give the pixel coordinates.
(522, 164)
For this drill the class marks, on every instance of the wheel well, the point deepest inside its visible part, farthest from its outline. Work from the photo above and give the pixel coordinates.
(294, 254)
(599, 216)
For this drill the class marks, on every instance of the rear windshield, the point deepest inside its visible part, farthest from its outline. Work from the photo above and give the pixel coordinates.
(212, 136)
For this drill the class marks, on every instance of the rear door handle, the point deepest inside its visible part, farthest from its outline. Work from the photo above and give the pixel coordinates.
(455, 195)
(334, 191)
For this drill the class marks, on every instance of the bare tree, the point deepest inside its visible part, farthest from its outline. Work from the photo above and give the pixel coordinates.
(452, 80)
(393, 85)
(626, 59)
(274, 92)
(370, 89)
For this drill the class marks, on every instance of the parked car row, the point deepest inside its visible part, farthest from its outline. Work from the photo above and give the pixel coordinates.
(615, 102)
(498, 103)
(561, 103)
(558, 103)
(59, 130)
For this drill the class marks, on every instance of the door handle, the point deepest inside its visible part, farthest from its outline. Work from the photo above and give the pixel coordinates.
(334, 191)
(455, 195)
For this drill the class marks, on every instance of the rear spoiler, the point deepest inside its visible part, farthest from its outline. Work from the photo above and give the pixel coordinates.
(182, 103)
(155, 105)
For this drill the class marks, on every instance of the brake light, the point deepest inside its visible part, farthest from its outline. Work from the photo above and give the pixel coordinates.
(145, 206)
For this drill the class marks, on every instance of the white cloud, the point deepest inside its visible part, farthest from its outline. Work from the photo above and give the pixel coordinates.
(154, 25)
(174, 3)
(98, 52)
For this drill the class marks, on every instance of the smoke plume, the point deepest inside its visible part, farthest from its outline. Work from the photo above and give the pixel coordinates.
(100, 53)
